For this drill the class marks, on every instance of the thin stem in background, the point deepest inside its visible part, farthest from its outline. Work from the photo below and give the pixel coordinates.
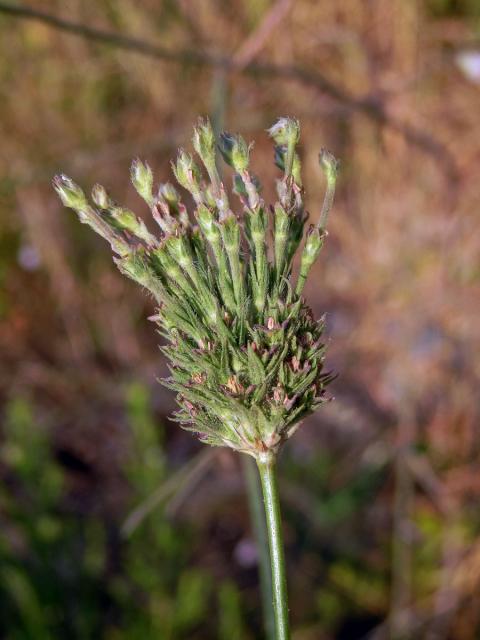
(271, 500)
(257, 517)
(183, 478)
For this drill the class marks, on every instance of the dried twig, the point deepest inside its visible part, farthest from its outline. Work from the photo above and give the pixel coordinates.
(367, 105)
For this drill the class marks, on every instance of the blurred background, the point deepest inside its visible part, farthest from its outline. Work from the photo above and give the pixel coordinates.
(114, 523)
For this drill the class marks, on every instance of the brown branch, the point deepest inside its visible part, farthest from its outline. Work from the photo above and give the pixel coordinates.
(370, 107)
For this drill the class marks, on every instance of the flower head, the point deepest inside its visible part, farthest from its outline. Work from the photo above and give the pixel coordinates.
(245, 352)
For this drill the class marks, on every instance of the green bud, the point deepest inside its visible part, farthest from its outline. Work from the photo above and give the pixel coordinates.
(206, 221)
(187, 172)
(257, 223)
(204, 142)
(281, 227)
(178, 248)
(313, 244)
(171, 270)
(286, 131)
(169, 204)
(210, 229)
(126, 218)
(281, 221)
(135, 267)
(231, 233)
(70, 193)
(142, 179)
(100, 197)
(210, 199)
(329, 164)
(72, 196)
(169, 193)
(230, 230)
(235, 151)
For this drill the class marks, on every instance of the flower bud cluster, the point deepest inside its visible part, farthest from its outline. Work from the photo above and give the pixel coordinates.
(245, 353)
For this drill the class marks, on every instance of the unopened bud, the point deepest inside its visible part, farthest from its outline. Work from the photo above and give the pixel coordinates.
(329, 164)
(286, 131)
(100, 197)
(70, 193)
(142, 179)
(235, 151)
(313, 244)
(210, 199)
(186, 171)
(126, 218)
(205, 219)
(204, 141)
(230, 230)
(169, 193)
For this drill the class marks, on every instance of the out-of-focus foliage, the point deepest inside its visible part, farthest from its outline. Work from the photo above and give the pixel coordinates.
(66, 575)
(381, 489)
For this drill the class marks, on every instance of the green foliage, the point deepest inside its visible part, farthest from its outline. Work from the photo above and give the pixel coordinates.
(146, 466)
(41, 572)
(231, 624)
(368, 591)
(54, 576)
(246, 355)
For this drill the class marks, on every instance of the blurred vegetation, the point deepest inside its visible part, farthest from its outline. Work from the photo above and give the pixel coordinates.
(380, 489)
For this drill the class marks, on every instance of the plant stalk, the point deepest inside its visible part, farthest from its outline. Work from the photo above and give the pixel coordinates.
(266, 469)
(257, 517)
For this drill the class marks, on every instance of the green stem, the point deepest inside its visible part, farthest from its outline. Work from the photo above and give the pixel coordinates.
(290, 155)
(266, 468)
(259, 527)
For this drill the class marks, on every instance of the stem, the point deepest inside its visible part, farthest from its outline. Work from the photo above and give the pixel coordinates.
(289, 158)
(327, 203)
(257, 518)
(266, 468)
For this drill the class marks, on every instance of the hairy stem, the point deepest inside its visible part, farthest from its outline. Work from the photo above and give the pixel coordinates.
(266, 468)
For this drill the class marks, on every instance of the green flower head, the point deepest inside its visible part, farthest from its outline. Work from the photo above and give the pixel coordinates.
(245, 353)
